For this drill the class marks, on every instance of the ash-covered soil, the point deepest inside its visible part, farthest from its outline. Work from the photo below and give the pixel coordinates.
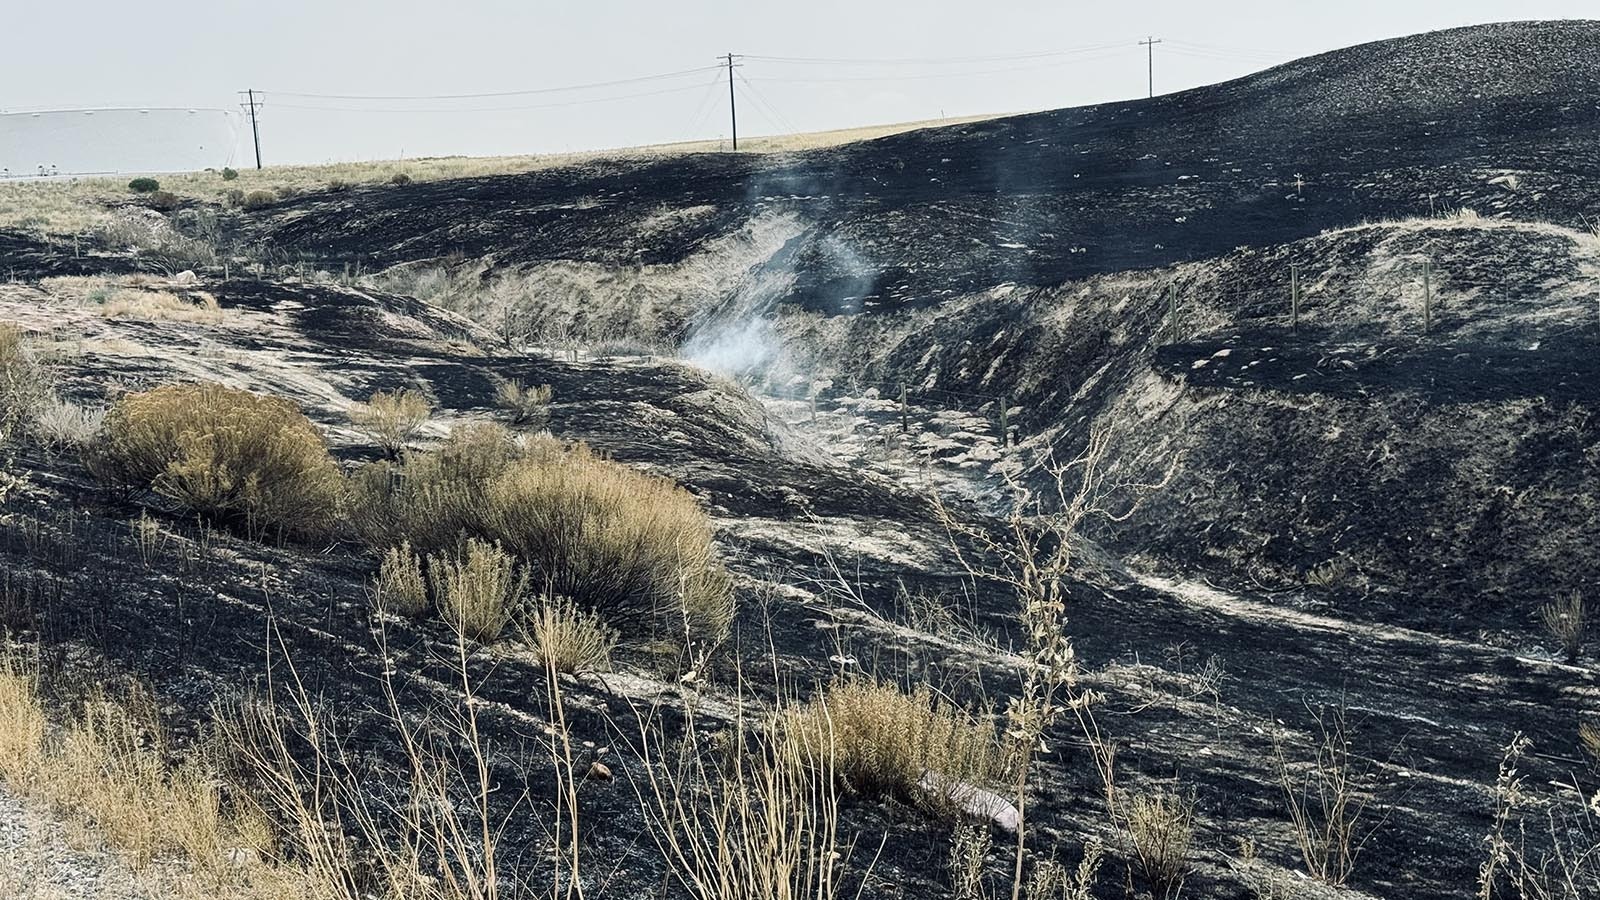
(1370, 497)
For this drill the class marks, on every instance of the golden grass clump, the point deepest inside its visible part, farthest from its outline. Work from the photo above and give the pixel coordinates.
(400, 587)
(569, 639)
(229, 454)
(634, 548)
(883, 741)
(22, 721)
(258, 199)
(157, 306)
(525, 405)
(477, 590)
(1161, 829)
(108, 765)
(24, 382)
(392, 418)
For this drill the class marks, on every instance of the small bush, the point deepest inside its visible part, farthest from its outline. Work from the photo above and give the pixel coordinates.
(1161, 829)
(634, 548)
(234, 197)
(477, 590)
(400, 587)
(400, 178)
(144, 185)
(392, 418)
(527, 406)
(338, 186)
(433, 500)
(258, 199)
(165, 201)
(229, 174)
(883, 741)
(64, 425)
(229, 454)
(568, 639)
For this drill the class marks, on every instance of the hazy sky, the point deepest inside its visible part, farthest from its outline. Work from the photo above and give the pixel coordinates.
(929, 58)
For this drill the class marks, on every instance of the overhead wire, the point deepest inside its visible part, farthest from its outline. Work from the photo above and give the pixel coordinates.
(778, 119)
(921, 76)
(494, 94)
(483, 109)
(927, 60)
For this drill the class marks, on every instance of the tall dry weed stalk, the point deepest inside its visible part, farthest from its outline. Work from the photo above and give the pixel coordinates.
(1559, 861)
(1035, 557)
(437, 834)
(1327, 803)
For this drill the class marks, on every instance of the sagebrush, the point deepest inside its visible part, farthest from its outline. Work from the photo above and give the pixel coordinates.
(229, 454)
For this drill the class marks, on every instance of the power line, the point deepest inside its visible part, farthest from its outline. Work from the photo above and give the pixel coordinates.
(771, 112)
(550, 90)
(933, 75)
(483, 109)
(927, 60)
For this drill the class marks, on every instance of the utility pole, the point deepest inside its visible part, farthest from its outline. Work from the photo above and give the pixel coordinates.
(733, 108)
(1150, 43)
(255, 130)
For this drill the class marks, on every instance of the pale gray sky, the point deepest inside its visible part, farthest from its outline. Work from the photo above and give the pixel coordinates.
(197, 53)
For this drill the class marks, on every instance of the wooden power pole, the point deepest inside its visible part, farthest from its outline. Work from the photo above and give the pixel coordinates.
(1150, 45)
(733, 108)
(255, 131)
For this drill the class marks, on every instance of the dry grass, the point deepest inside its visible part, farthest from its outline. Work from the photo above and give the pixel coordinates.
(400, 587)
(526, 405)
(392, 418)
(1161, 829)
(437, 836)
(68, 206)
(107, 768)
(1562, 859)
(884, 742)
(154, 306)
(1589, 736)
(1566, 620)
(25, 385)
(632, 548)
(568, 639)
(969, 849)
(477, 590)
(229, 454)
(756, 822)
(139, 297)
